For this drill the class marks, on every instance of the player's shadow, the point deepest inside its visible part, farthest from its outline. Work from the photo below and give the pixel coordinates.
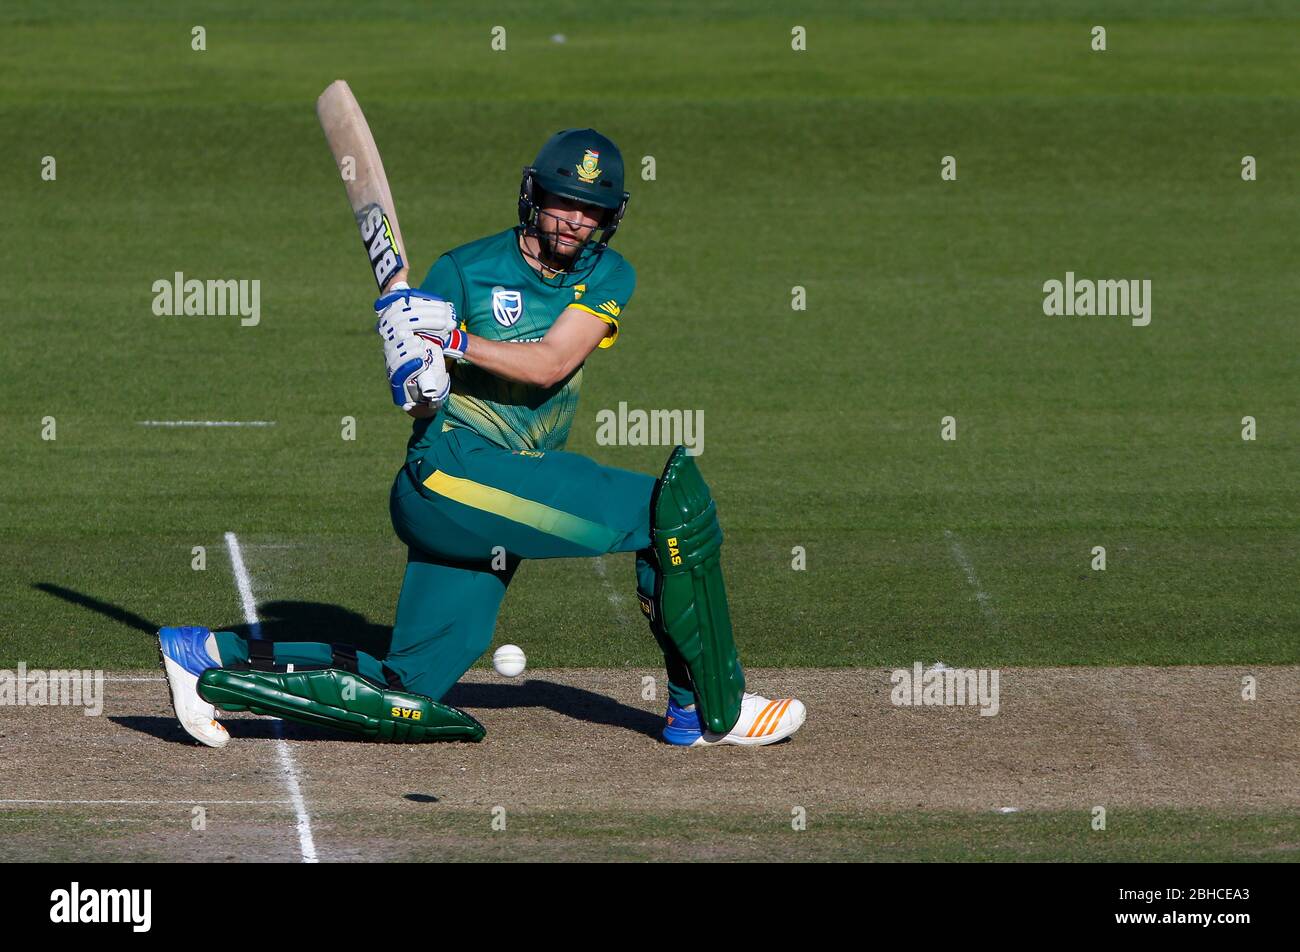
(252, 728)
(280, 621)
(563, 699)
(90, 603)
(317, 621)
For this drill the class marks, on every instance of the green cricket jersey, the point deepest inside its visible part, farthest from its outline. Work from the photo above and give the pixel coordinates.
(499, 296)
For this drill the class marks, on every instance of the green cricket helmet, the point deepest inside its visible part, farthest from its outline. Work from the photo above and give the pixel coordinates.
(583, 165)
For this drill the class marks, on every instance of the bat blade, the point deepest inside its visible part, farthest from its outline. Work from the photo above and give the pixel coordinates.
(357, 158)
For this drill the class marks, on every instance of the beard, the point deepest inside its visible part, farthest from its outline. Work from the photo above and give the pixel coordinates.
(560, 252)
(556, 241)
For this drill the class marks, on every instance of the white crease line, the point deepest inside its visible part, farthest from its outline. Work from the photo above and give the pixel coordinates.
(615, 598)
(146, 802)
(290, 771)
(205, 423)
(981, 596)
(245, 586)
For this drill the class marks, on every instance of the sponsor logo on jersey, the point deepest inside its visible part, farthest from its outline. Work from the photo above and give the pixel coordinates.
(589, 168)
(507, 306)
(611, 308)
(578, 291)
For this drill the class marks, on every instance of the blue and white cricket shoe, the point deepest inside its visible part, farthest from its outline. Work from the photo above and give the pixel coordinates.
(761, 722)
(185, 654)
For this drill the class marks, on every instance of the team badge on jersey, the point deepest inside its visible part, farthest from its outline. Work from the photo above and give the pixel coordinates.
(589, 170)
(507, 306)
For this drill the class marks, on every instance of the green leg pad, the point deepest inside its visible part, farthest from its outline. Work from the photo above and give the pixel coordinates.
(332, 698)
(692, 598)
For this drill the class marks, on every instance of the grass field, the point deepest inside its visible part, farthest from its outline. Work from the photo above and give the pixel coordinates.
(774, 169)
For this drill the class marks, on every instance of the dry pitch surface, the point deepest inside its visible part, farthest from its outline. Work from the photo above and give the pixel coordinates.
(1184, 766)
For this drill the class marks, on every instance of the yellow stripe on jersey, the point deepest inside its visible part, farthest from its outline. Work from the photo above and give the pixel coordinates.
(608, 319)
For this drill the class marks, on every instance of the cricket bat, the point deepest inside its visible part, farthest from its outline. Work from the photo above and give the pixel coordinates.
(362, 171)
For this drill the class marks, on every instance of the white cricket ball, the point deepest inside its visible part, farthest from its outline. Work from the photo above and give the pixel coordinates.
(509, 660)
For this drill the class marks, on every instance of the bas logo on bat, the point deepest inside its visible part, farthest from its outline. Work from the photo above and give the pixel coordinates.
(377, 236)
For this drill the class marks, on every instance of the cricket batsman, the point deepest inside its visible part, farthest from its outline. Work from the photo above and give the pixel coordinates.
(487, 483)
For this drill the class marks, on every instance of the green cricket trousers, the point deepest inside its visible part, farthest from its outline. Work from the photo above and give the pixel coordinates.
(469, 512)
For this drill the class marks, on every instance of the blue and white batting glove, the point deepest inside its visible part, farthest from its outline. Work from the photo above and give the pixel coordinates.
(412, 325)
(406, 312)
(417, 372)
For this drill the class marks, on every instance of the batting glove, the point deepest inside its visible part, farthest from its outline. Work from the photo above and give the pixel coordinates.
(417, 372)
(406, 312)
(412, 325)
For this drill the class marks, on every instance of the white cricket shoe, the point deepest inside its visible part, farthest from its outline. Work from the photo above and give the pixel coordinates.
(185, 654)
(761, 722)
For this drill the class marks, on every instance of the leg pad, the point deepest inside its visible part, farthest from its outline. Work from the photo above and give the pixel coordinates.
(691, 597)
(330, 697)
